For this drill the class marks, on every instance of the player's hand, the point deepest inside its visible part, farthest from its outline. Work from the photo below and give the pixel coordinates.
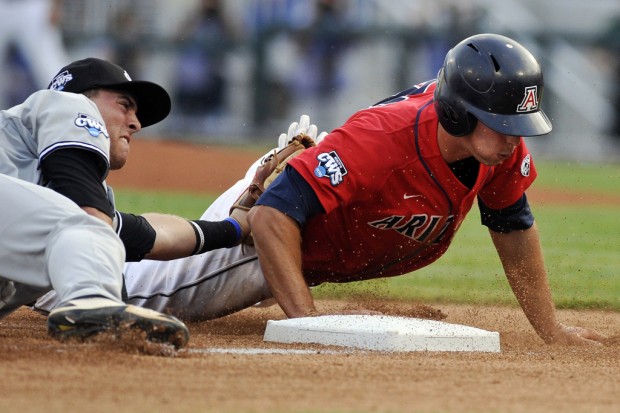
(576, 336)
(296, 128)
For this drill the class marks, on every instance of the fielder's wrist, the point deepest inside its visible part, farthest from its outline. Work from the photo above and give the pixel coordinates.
(213, 235)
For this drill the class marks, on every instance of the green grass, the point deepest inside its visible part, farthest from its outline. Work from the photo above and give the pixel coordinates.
(573, 176)
(581, 246)
(184, 204)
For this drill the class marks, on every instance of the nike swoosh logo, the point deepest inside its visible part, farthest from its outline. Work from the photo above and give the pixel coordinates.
(410, 196)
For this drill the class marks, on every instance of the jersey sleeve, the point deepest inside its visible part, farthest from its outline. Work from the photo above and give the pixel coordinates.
(68, 120)
(137, 234)
(78, 175)
(346, 165)
(290, 194)
(515, 217)
(509, 181)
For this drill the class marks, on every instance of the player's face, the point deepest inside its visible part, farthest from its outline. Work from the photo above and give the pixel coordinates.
(489, 147)
(119, 114)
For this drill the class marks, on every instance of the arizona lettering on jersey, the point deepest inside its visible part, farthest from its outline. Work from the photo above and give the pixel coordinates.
(401, 203)
(417, 227)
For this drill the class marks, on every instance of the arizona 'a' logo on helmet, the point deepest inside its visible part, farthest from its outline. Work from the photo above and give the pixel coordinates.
(530, 100)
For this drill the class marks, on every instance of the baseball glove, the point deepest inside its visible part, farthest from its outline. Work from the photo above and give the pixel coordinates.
(265, 174)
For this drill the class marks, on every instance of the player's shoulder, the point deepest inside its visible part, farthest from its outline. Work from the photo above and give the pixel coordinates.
(52, 101)
(55, 96)
(397, 112)
(420, 91)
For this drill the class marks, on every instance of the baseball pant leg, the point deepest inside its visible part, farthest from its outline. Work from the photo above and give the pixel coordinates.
(46, 241)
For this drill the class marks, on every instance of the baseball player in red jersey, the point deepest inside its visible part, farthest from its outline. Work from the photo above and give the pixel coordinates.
(383, 195)
(417, 204)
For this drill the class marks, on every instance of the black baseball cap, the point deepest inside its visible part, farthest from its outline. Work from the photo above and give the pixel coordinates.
(153, 100)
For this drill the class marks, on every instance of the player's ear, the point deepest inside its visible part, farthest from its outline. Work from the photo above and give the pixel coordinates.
(91, 93)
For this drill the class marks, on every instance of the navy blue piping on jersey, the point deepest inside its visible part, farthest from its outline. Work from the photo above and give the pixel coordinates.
(419, 152)
(412, 91)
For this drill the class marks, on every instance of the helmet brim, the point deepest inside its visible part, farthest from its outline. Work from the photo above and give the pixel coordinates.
(523, 124)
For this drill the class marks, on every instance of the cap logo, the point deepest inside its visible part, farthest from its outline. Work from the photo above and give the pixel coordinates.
(127, 75)
(530, 100)
(61, 80)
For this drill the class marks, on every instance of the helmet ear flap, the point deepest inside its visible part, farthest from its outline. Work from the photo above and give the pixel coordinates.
(453, 115)
(455, 122)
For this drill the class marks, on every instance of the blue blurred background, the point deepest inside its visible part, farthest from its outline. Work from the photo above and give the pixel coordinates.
(240, 71)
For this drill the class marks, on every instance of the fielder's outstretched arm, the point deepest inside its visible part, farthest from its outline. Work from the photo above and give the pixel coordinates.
(159, 236)
(521, 256)
(174, 237)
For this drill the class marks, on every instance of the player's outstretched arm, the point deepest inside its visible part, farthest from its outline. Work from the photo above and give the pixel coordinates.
(174, 237)
(521, 256)
(277, 239)
(159, 236)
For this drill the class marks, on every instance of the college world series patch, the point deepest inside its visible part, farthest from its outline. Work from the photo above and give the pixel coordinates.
(92, 125)
(330, 166)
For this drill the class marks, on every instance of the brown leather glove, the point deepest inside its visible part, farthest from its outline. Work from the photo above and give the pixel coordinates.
(265, 174)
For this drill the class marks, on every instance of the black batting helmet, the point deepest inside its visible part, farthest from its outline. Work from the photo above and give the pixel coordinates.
(495, 80)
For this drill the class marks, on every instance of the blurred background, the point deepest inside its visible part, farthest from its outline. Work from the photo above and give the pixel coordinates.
(241, 71)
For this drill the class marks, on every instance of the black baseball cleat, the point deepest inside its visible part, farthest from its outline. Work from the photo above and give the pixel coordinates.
(83, 318)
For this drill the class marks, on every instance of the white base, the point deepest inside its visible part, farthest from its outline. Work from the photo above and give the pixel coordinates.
(384, 333)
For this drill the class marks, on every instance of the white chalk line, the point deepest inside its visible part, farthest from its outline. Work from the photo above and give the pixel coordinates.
(261, 351)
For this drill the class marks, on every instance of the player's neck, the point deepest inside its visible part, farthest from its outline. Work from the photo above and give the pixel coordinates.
(451, 148)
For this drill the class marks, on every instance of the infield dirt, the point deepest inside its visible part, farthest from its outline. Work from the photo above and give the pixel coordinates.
(228, 368)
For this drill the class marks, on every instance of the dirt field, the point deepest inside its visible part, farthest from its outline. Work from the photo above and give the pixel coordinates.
(228, 368)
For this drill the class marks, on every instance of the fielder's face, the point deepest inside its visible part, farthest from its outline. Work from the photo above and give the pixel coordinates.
(489, 147)
(119, 114)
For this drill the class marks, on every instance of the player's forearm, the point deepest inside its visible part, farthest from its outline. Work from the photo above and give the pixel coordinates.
(278, 242)
(522, 259)
(165, 237)
(175, 237)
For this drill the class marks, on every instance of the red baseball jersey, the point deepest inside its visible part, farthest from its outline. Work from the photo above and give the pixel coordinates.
(392, 204)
